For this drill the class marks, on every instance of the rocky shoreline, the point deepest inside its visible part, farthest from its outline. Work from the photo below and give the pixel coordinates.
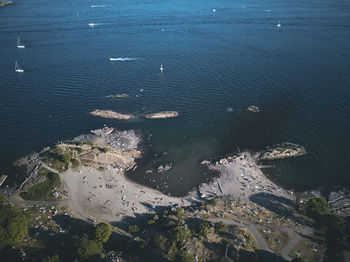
(279, 151)
(5, 3)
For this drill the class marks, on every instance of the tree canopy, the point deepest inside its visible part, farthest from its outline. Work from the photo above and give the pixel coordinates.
(103, 232)
(88, 248)
(13, 225)
(183, 256)
(317, 207)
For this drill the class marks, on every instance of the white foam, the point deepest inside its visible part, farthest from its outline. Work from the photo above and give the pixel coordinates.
(96, 6)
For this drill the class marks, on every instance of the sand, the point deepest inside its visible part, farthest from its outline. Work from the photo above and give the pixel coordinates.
(108, 195)
(98, 195)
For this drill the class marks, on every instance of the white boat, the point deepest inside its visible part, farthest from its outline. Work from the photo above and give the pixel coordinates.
(19, 45)
(279, 23)
(92, 24)
(161, 68)
(17, 69)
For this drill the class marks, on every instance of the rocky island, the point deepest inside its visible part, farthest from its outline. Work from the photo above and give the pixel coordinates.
(161, 115)
(283, 150)
(253, 109)
(110, 114)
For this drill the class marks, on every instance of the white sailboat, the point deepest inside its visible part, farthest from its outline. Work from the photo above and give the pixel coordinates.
(19, 45)
(161, 68)
(279, 23)
(17, 69)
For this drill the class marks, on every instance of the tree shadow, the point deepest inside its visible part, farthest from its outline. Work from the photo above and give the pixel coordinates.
(278, 205)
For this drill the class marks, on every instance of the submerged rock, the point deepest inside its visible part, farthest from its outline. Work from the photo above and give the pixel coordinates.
(110, 114)
(118, 96)
(164, 168)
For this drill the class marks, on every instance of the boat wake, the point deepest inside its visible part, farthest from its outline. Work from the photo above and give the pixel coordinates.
(122, 59)
(97, 6)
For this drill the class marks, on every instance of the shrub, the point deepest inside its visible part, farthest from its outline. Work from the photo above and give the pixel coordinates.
(101, 168)
(317, 207)
(212, 202)
(220, 226)
(105, 149)
(75, 162)
(58, 150)
(133, 229)
(66, 158)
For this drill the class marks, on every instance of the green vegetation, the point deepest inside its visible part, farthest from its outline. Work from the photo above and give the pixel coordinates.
(88, 248)
(53, 258)
(13, 225)
(105, 149)
(212, 202)
(133, 229)
(75, 162)
(183, 256)
(160, 241)
(219, 226)
(41, 191)
(317, 207)
(203, 229)
(101, 168)
(179, 213)
(103, 232)
(179, 232)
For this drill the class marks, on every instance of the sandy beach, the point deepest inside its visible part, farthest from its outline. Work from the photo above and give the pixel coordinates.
(108, 195)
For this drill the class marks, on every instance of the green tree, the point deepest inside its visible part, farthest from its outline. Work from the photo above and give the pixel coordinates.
(160, 241)
(317, 207)
(219, 226)
(203, 229)
(133, 229)
(66, 158)
(179, 212)
(53, 258)
(88, 248)
(180, 233)
(13, 225)
(183, 256)
(103, 232)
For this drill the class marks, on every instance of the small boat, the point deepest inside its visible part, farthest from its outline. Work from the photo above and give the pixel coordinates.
(17, 69)
(161, 68)
(279, 23)
(92, 24)
(19, 45)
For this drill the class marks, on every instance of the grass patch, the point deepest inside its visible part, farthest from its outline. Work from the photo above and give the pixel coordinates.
(42, 191)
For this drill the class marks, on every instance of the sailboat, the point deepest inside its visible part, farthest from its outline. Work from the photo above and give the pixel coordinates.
(19, 45)
(161, 68)
(17, 69)
(279, 23)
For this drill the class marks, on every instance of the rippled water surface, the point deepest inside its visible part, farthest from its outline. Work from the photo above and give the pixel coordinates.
(297, 74)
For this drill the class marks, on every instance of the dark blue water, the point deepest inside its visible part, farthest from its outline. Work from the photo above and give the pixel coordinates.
(297, 74)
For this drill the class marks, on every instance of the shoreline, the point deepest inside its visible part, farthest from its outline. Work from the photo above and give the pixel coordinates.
(99, 189)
